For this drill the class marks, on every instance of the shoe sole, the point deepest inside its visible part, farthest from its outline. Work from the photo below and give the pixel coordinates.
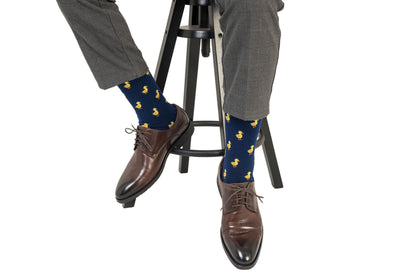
(227, 252)
(186, 135)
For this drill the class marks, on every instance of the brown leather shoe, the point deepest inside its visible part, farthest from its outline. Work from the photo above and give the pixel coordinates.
(241, 226)
(151, 150)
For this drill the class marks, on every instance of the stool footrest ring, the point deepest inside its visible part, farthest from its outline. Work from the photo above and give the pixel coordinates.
(209, 153)
(198, 153)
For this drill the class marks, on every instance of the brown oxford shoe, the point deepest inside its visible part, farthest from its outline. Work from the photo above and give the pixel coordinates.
(241, 226)
(151, 150)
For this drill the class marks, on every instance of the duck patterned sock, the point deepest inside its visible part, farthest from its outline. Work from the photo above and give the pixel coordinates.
(151, 107)
(241, 138)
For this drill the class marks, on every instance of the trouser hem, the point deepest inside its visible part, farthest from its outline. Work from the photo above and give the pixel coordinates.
(107, 84)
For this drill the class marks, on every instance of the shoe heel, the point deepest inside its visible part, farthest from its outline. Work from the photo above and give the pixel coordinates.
(185, 136)
(129, 204)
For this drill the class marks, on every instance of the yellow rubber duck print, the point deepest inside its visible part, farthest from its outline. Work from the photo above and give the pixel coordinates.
(145, 90)
(239, 135)
(171, 124)
(229, 145)
(254, 124)
(250, 151)
(147, 73)
(248, 176)
(225, 173)
(127, 85)
(227, 117)
(157, 94)
(138, 105)
(155, 113)
(235, 162)
(145, 125)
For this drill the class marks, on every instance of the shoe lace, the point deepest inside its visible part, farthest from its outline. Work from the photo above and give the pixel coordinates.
(240, 198)
(141, 140)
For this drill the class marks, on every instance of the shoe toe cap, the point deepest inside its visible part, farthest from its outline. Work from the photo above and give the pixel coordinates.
(245, 256)
(243, 252)
(125, 189)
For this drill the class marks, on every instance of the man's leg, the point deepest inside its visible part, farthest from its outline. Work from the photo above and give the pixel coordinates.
(250, 53)
(105, 40)
(251, 40)
(114, 59)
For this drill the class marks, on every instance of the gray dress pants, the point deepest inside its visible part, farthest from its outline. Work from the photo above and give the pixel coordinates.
(251, 40)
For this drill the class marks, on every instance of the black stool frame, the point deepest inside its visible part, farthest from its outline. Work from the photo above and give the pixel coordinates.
(200, 32)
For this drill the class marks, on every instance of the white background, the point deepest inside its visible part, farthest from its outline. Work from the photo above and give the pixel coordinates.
(342, 121)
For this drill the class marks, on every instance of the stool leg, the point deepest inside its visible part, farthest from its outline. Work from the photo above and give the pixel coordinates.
(191, 75)
(270, 156)
(216, 41)
(169, 41)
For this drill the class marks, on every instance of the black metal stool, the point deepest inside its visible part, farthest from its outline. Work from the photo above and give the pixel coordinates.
(200, 32)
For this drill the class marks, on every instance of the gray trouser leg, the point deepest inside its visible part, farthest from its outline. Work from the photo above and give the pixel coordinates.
(105, 40)
(251, 41)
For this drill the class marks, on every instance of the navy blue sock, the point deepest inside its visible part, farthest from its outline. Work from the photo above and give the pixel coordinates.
(241, 138)
(151, 107)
